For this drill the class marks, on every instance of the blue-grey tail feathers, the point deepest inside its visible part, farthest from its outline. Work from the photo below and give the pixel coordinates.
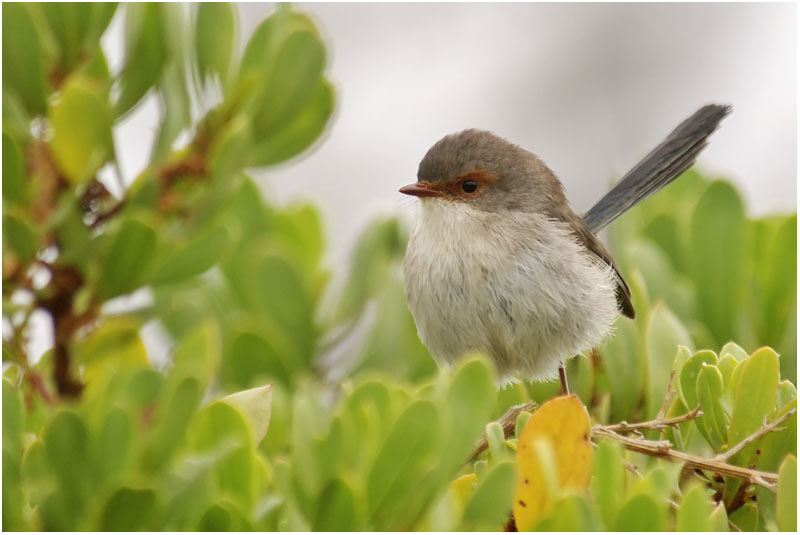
(663, 165)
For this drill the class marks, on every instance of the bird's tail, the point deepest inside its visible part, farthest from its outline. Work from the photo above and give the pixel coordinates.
(663, 165)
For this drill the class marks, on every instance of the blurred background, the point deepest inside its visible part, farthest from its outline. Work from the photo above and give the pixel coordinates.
(590, 88)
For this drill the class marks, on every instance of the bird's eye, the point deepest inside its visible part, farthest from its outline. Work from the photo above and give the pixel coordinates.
(469, 186)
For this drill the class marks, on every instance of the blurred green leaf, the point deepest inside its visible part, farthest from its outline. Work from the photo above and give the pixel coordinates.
(745, 517)
(572, 513)
(130, 509)
(663, 335)
(717, 248)
(255, 405)
(145, 54)
(608, 479)
(81, 118)
(19, 237)
(404, 456)
(112, 447)
(787, 495)
(214, 38)
(13, 181)
(77, 25)
(339, 508)
(197, 256)
(171, 423)
(13, 421)
(626, 368)
(490, 505)
(694, 511)
(131, 251)
(641, 513)
(23, 69)
(298, 132)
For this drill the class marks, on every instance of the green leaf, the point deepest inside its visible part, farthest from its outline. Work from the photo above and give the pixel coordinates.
(608, 479)
(13, 421)
(81, 119)
(695, 510)
(112, 447)
(66, 441)
(20, 238)
(734, 350)
(13, 171)
(174, 414)
(338, 508)
(755, 397)
(709, 394)
(787, 495)
(197, 355)
(129, 256)
(23, 69)
(490, 504)
(663, 334)
(718, 521)
(745, 517)
(214, 38)
(130, 509)
(145, 54)
(626, 368)
(573, 512)
(717, 248)
(255, 405)
(77, 26)
(194, 258)
(687, 378)
(404, 456)
(641, 513)
(297, 132)
(252, 357)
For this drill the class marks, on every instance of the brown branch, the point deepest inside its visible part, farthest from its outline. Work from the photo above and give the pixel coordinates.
(760, 432)
(664, 450)
(667, 396)
(657, 424)
(508, 421)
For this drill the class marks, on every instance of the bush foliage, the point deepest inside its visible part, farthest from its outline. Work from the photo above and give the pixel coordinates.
(290, 400)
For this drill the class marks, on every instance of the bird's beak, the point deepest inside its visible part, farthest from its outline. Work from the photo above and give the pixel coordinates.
(420, 189)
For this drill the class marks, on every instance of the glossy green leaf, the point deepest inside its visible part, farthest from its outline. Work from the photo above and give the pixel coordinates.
(214, 38)
(130, 509)
(717, 236)
(145, 54)
(663, 335)
(129, 256)
(13, 170)
(81, 119)
(687, 376)
(787, 495)
(709, 394)
(490, 504)
(23, 59)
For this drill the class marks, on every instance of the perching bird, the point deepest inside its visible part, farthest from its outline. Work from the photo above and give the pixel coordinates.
(499, 262)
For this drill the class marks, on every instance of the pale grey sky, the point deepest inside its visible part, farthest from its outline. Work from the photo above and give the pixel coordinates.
(590, 88)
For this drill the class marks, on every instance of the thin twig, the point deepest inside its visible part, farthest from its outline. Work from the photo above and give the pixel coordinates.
(657, 424)
(667, 396)
(664, 450)
(508, 421)
(760, 432)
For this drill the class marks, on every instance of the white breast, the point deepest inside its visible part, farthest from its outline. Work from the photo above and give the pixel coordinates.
(517, 287)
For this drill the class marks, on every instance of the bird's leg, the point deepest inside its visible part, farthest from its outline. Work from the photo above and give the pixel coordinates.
(562, 374)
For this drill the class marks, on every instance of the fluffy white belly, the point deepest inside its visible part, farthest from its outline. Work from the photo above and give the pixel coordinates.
(519, 288)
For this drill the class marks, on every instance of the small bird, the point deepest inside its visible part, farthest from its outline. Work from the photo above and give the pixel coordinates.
(498, 262)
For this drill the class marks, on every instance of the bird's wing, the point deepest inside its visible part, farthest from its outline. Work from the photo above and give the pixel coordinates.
(599, 251)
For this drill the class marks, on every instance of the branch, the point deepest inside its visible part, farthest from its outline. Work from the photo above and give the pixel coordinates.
(657, 424)
(760, 432)
(508, 421)
(664, 450)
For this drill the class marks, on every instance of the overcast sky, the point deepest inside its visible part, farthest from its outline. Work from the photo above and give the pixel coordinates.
(589, 88)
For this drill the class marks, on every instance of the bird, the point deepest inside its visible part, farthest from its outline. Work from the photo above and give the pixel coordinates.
(498, 262)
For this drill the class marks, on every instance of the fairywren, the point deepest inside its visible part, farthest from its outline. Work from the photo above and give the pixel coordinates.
(498, 261)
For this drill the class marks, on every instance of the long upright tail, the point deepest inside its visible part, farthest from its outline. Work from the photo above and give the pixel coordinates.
(663, 165)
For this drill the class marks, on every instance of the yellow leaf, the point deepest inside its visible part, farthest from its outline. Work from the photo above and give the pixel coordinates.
(463, 487)
(554, 455)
